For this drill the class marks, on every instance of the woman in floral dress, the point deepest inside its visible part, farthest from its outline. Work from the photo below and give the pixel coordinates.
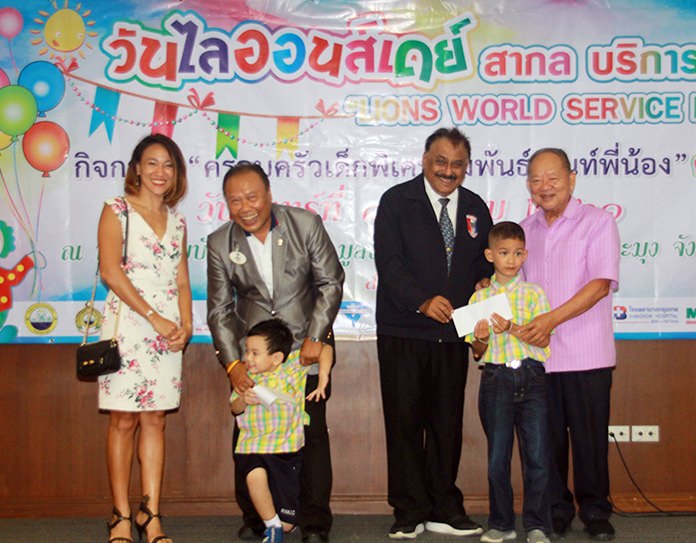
(149, 307)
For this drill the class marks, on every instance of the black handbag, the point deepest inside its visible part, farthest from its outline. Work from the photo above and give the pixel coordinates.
(101, 357)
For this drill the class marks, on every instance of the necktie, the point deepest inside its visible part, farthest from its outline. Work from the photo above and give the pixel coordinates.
(447, 231)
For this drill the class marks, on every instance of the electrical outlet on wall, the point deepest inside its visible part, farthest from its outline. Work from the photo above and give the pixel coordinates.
(620, 433)
(645, 433)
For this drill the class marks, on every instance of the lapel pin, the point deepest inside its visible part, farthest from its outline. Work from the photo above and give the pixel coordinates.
(280, 243)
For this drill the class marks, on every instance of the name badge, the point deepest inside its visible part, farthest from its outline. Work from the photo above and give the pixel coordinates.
(238, 258)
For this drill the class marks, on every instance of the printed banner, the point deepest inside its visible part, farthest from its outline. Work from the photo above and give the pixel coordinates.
(335, 100)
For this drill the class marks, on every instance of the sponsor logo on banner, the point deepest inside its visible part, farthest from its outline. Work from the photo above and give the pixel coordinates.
(620, 312)
(354, 310)
(690, 314)
(41, 318)
(89, 315)
(648, 315)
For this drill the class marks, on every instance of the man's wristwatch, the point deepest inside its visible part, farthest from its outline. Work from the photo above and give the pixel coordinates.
(314, 339)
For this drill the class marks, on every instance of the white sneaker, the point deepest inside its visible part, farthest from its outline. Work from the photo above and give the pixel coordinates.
(537, 536)
(498, 536)
(462, 525)
(406, 532)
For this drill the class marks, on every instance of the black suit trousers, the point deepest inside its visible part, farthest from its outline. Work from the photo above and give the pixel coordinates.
(578, 403)
(423, 386)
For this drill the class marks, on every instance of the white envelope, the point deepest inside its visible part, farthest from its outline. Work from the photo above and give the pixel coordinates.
(466, 317)
(269, 395)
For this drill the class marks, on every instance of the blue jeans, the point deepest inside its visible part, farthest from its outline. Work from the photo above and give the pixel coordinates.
(515, 400)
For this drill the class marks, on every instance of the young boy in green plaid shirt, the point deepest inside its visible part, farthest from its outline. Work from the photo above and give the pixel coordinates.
(271, 428)
(512, 396)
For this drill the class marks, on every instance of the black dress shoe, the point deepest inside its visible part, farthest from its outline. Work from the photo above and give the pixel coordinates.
(315, 536)
(560, 525)
(600, 530)
(251, 533)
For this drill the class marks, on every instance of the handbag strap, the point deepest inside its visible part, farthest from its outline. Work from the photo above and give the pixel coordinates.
(124, 259)
(125, 240)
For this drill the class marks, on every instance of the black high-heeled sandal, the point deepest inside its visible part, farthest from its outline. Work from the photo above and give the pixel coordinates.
(112, 524)
(142, 527)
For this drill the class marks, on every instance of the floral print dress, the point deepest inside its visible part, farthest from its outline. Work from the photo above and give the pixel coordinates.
(150, 375)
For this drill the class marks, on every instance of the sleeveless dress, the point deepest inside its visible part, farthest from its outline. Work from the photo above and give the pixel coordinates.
(150, 375)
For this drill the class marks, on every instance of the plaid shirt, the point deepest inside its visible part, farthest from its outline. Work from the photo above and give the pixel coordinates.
(280, 427)
(527, 300)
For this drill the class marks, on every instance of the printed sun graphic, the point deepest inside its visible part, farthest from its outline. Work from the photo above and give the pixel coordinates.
(65, 32)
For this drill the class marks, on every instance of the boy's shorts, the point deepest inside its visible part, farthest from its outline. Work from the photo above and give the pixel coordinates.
(283, 471)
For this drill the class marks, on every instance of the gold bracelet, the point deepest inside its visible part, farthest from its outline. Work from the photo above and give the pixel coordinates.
(510, 327)
(481, 341)
(231, 366)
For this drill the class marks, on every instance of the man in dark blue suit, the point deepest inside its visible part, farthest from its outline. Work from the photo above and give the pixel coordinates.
(430, 234)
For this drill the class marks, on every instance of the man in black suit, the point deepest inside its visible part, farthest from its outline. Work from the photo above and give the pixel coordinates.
(430, 234)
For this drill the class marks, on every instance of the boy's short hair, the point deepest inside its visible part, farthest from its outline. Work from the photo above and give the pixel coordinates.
(506, 230)
(277, 335)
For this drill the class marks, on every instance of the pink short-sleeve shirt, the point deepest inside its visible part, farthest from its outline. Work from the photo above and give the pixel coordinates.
(581, 245)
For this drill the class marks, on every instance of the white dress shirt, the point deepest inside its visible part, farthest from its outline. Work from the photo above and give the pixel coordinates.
(262, 252)
(434, 198)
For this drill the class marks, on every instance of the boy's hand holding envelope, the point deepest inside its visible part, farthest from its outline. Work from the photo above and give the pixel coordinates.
(495, 310)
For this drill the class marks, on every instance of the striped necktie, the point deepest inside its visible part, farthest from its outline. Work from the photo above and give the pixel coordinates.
(447, 231)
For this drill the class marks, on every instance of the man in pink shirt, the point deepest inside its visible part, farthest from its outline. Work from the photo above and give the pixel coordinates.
(574, 256)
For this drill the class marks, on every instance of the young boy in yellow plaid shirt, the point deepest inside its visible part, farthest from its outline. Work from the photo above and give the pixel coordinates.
(271, 427)
(512, 396)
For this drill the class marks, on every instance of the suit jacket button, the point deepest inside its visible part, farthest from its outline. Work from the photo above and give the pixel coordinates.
(273, 313)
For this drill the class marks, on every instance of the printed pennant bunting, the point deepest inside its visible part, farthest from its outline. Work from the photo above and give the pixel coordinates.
(227, 134)
(104, 111)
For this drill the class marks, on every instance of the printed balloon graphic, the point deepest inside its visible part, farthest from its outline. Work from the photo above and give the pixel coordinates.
(5, 140)
(11, 23)
(4, 80)
(17, 110)
(46, 83)
(46, 146)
